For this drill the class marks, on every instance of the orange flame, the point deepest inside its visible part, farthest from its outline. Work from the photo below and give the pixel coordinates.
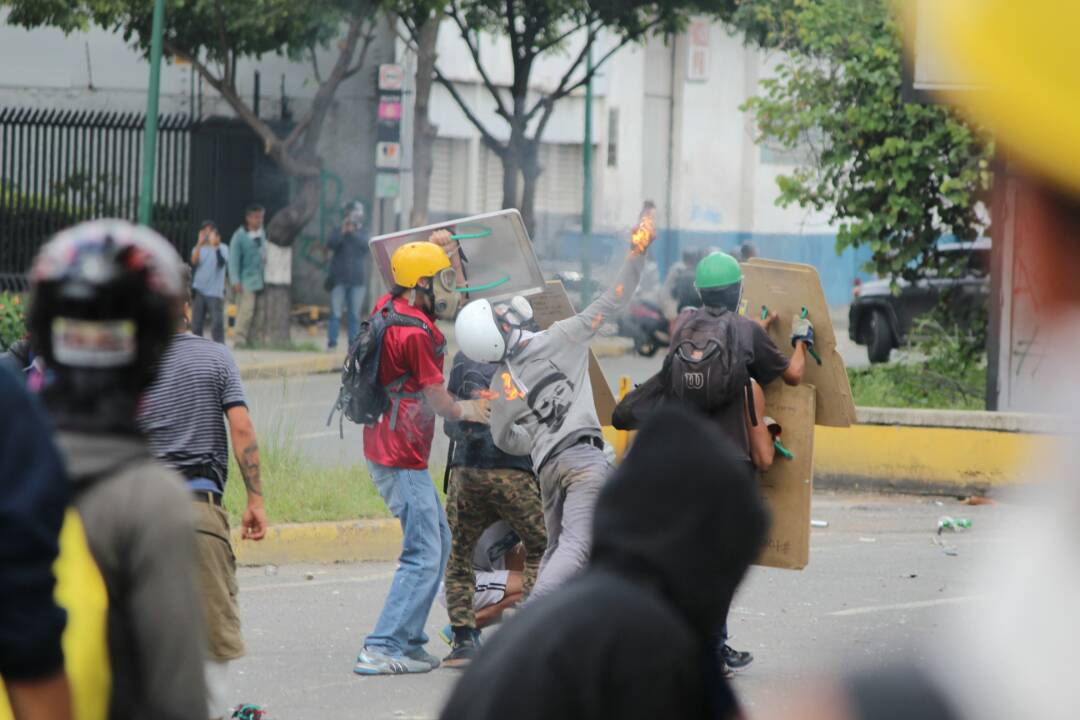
(619, 289)
(510, 389)
(487, 395)
(643, 235)
(597, 321)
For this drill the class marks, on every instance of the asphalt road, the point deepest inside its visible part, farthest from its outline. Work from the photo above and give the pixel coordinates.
(877, 590)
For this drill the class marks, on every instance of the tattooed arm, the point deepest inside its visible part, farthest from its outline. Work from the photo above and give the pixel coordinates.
(246, 449)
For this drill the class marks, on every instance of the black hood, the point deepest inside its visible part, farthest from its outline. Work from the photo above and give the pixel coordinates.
(684, 513)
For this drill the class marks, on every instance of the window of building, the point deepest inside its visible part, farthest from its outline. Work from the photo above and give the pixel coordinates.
(613, 138)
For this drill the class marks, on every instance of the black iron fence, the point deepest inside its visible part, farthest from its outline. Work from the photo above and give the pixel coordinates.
(58, 167)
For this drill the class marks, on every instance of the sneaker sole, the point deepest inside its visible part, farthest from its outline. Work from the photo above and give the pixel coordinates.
(456, 663)
(392, 669)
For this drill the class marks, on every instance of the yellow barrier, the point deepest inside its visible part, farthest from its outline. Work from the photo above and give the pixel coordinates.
(909, 457)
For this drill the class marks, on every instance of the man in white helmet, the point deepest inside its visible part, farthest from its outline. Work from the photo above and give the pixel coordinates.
(544, 407)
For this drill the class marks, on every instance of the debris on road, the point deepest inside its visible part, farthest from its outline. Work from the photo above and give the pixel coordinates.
(819, 523)
(309, 576)
(950, 524)
(868, 540)
(979, 500)
(270, 570)
(947, 548)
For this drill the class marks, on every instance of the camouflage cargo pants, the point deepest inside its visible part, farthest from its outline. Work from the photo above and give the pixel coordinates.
(477, 498)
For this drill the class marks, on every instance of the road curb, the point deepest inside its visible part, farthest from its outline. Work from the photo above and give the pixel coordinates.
(926, 460)
(376, 540)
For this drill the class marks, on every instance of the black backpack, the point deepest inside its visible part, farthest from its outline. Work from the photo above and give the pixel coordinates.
(362, 398)
(709, 362)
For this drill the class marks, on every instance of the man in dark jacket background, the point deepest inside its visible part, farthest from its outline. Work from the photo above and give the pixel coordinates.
(631, 637)
(348, 272)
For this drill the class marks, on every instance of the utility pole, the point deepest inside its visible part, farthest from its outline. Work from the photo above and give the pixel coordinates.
(587, 200)
(146, 194)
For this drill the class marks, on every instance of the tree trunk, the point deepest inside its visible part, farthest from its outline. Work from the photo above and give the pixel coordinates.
(530, 170)
(423, 131)
(272, 326)
(511, 165)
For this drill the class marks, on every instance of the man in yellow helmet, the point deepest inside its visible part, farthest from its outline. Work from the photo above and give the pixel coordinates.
(397, 448)
(1018, 60)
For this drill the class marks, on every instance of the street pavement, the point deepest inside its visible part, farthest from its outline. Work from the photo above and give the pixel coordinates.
(877, 590)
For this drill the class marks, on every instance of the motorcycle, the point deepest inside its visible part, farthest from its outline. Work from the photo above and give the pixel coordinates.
(644, 323)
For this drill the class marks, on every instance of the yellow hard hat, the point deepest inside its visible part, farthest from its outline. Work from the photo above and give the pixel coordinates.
(1021, 59)
(416, 260)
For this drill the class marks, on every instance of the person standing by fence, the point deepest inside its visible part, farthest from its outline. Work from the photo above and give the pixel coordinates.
(247, 268)
(348, 271)
(210, 259)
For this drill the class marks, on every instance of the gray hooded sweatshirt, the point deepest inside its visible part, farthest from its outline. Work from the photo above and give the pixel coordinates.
(139, 526)
(551, 370)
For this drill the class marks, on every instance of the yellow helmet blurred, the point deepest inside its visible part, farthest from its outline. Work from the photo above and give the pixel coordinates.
(1021, 59)
(416, 260)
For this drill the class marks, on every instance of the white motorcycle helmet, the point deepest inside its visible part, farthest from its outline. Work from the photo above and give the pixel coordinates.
(478, 334)
(487, 333)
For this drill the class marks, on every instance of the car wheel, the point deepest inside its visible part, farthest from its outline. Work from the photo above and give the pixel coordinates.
(878, 337)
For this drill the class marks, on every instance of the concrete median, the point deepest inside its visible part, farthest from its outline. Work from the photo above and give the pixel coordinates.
(931, 451)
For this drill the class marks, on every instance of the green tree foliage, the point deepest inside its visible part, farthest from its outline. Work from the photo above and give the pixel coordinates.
(542, 28)
(896, 176)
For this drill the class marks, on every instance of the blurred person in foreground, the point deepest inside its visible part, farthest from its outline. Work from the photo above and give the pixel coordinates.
(632, 636)
(106, 298)
(1021, 59)
(183, 416)
(34, 495)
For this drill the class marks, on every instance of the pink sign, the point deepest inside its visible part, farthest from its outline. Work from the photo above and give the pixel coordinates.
(390, 110)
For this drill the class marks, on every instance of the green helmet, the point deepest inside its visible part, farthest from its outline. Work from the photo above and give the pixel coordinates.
(717, 270)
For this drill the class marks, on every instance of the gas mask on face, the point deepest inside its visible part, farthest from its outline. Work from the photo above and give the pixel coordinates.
(448, 299)
(515, 321)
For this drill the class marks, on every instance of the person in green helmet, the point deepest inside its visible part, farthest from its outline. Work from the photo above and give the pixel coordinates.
(719, 361)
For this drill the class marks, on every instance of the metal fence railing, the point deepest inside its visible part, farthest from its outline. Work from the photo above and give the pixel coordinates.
(58, 167)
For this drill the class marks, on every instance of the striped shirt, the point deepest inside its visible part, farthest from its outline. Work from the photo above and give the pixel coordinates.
(182, 412)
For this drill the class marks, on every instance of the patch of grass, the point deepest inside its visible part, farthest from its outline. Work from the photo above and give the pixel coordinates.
(297, 490)
(308, 346)
(951, 377)
(914, 386)
(919, 386)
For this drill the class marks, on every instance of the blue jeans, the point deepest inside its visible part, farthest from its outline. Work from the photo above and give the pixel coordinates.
(411, 497)
(344, 299)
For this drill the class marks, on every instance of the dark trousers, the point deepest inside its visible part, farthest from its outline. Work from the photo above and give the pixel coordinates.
(200, 306)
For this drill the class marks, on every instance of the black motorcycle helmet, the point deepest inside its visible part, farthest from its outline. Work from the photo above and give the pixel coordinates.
(106, 297)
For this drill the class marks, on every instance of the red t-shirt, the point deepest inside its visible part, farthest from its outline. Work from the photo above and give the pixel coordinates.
(408, 351)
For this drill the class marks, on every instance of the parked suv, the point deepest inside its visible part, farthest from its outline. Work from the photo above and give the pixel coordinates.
(881, 320)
